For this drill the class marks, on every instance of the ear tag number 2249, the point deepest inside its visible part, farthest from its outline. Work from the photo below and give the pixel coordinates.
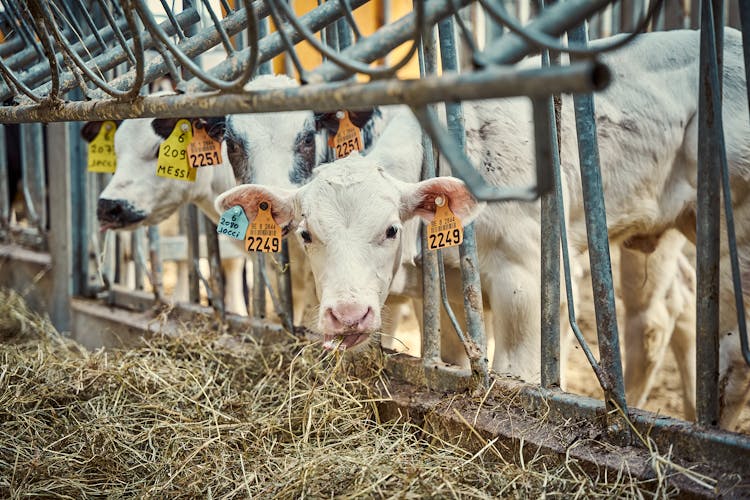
(263, 235)
(102, 157)
(348, 138)
(173, 159)
(445, 230)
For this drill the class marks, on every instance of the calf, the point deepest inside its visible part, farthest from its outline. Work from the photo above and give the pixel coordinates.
(349, 217)
(136, 196)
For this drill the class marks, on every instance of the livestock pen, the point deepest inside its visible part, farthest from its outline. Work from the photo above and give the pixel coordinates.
(187, 396)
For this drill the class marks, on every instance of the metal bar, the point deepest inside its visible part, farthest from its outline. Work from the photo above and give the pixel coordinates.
(259, 286)
(107, 60)
(136, 250)
(29, 163)
(78, 226)
(155, 260)
(430, 277)
(384, 40)
(547, 153)
(554, 20)
(11, 46)
(214, 260)
(490, 83)
(264, 68)
(284, 279)
(598, 245)
(708, 226)
(5, 200)
(60, 223)
(193, 238)
(472, 288)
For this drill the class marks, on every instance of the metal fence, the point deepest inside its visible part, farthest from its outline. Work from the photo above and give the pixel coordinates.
(90, 60)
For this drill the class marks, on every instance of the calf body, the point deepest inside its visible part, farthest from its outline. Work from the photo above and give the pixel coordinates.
(647, 125)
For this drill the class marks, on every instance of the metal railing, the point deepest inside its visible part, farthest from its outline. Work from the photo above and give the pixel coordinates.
(88, 61)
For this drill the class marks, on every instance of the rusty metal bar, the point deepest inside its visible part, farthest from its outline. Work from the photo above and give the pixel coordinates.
(598, 246)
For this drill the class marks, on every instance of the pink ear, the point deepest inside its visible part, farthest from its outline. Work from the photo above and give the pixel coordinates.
(249, 196)
(419, 199)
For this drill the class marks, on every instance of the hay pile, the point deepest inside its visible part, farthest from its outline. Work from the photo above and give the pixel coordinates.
(204, 415)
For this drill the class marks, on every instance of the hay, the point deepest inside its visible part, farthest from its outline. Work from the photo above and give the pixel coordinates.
(204, 415)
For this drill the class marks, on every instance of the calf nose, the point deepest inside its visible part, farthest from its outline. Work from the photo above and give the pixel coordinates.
(121, 211)
(346, 317)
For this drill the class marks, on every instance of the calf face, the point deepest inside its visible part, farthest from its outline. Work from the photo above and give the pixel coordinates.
(349, 218)
(136, 195)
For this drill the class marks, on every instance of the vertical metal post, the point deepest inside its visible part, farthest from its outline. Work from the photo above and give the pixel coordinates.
(79, 230)
(214, 261)
(265, 68)
(708, 226)
(598, 243)
(472, 288)
(32, 166)
(430, 278)
(550, 246)
(5, 200)
(193, 251)
(136, 251)
(60, 227)
(155, 260)
(284, 274)
(344, 33)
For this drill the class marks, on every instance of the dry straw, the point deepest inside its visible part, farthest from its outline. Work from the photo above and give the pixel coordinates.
(206, 415)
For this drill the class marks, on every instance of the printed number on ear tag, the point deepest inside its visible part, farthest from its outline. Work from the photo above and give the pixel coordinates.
(233, 223)
(203, 150)
(173, 160)
(347, 139)
(263, 235)
(102, 157)
(445, 230)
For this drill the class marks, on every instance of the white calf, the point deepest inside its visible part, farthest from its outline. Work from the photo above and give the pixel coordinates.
(350, 215)
(136, 196)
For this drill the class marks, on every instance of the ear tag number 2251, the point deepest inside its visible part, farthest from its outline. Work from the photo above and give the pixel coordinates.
(348, 138)
(263, 235)
(102, 157)
(173, 159)
(203, 150)
(445, 230)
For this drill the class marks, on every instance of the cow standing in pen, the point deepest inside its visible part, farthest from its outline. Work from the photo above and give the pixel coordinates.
(350, 216)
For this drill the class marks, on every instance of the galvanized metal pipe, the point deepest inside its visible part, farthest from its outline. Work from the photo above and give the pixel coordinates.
(430, 275)
(214, 261)
(32, 167)
(469, 259)
(284, 279)
(708, 226)
(79, 232)
(495, 82)
(598, 246)
(155, 260)
(4, 187)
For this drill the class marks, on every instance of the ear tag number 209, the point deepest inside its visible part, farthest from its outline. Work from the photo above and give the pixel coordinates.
(173, 159)
(445, 230)
(102, 157)
(263, 235)
(348, 137)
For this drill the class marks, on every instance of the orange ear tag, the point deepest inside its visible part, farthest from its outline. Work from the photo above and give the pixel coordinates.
(102, 157)
(348, 138)
(263, 235)
(203, 150)
(172, 162)
(445, 230)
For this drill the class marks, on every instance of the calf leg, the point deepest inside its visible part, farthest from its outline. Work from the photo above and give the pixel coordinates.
(234, 299)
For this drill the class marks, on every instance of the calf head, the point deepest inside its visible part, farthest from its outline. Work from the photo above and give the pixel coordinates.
(349, 218)
(136, 195)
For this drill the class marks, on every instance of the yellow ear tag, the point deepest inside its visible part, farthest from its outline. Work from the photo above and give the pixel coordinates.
(445, 230)
(173, 160)
(348, 138)
(102, 157)
(263, 235)
(203, 150)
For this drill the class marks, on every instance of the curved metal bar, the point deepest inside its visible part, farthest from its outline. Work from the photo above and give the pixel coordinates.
(159, 34)
(543, 41)
(287, 42)
(118, 33)
(350, 19)
(217, 24)
(351, 64)
(43, 17)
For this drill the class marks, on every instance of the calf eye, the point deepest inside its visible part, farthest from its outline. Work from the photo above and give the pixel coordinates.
(309, 139)
(391, 232)
(305, 236)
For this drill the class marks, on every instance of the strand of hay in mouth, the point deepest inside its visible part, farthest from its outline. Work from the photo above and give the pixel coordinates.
(205, 415)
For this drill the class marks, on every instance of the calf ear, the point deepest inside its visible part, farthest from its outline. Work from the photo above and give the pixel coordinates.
(330, 122)
(90, 129)
(164, 126)
(249, 196)
(418, 199)
(215, 126)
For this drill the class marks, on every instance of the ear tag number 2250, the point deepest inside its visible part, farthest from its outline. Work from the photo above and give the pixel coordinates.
(263, 235)
(445, 230)
(102, 157)
(348, 138)
(173, 158)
